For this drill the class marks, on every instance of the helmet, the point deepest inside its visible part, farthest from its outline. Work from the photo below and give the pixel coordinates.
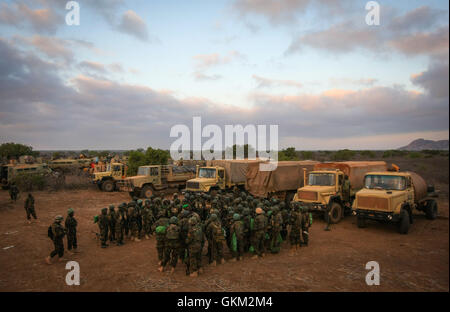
(104, 210)
(213, 217)
(259, 210)
(70, 211)
(139, 201)
(193, 220)
(236, 217)
(246, 212)
(173, 220)
(59, 218)
(111, 207)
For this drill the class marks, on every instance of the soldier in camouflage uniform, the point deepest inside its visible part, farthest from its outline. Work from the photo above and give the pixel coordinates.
(237, 230)
(58, 235)
(103, 223)
(259, 231)
(71, 228)
(306, 223)
(194, 241)
(159, 228)
(172, 245)
(276, 225)
(295, 222)
(132, 223)
(29, 207)
(215, 231)
(13, 191)
(112, 223)
(120, 216)
(148, 219)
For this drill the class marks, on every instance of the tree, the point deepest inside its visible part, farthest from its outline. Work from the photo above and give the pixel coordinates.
(151, 156)
(15, 150)
(287, 154)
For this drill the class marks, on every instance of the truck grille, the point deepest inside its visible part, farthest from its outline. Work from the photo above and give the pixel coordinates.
(373, 203)
(308, 195)
(192, 185)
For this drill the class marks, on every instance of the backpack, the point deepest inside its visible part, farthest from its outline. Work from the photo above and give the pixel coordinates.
(50, 232)
(172, 232)
(217, 232)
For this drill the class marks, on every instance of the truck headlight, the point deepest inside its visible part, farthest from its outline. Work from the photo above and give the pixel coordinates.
(354, 212)
(389, 217)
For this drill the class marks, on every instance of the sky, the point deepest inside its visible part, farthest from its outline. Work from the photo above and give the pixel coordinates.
(133, 69)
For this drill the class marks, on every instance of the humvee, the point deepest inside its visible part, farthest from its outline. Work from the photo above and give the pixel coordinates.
(392, 197)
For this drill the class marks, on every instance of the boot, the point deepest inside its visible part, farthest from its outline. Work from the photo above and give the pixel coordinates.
(161, 269)
(172, 270)
(48, 260)
(214, 263)
(137, 239)
(61, 259)
(194, 274)
(146, 236)
(255, 257)
(222, 261)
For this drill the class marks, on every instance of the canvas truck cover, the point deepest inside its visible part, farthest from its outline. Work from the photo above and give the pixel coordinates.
(420, 186)
(356, 170)
(235, 170)
(288, 176)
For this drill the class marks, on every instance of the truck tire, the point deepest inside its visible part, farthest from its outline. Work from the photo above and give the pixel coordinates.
(335, 213)
(361, 222)
(108, 186)
(147, 191)
(404, 223)
(431, 210)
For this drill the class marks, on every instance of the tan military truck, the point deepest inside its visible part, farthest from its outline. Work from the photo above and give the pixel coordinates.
(155, 179)
(68, 164)
(220, 175)
(323, 188)
(10, 171)
(107, 180)
(392, 196)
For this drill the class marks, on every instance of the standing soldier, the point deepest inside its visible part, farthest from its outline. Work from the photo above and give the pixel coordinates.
(295, 222)
(215, 231)
(103, 223)
(29, 207)
(160, 228)
(194, 241)
(13, 191)
(237, 238)
(259, 232)
(346, 191)
(147, 218)
(132, 223)
(119, 219)
(71, 228)
(112, 223)
(276, 225)
(306, 223)
(172, 245)
(57, 234)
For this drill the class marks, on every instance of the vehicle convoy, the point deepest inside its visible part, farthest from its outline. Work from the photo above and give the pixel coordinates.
(11, 171)
(107, 180)
(283, 182)
(392, 196)
(324, 186)
(220, 175)
(155, 179)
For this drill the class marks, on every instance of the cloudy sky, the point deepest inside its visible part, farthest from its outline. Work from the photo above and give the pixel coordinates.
(133, 69)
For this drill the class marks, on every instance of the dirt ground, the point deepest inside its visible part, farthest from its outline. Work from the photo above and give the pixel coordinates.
(334, 261)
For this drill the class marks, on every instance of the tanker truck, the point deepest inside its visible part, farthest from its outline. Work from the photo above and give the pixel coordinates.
(323, 188)
(392, 196)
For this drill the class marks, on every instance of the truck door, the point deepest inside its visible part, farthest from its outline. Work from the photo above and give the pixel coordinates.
(221, 178)
(115, 171)
(155, 173)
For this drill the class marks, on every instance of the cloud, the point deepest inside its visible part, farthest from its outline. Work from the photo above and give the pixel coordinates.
(132, 24)
(362, 81)
(205, 61)
(200, 76)
(93, 66)
(434, 80)
(20, 15)
(268, 83)
(420, 18)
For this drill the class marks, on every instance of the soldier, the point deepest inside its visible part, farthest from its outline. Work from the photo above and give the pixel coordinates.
(119, 219)
(246, 220)
(327, 216)
(237, 237)
(160, 227)
(295, 222)
(259, 231)
(176, 200)
(13, 191)
(183, 223)
(306, 223)
(112, 223)
(215, 231)
(57, 234)
(138, 212)
(276, 224)
(132, 223)
(148, 219)
(103, 223)
(194, 241)
(172, 245)
(346, 191)
(71, 228)
(29, 207)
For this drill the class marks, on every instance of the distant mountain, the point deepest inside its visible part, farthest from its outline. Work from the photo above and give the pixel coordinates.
(422, 144)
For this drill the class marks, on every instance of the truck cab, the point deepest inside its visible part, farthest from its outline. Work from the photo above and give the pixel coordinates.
(323, 188)
(392, 197)
(106, 180)
(207, 179)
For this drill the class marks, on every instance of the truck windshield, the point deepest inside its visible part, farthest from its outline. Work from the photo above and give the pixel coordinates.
(384, 182)
(206, 173)
(143, 171)
(321, 179)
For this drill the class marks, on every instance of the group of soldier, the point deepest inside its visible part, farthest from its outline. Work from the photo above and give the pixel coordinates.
(56, 233)
(182, 227)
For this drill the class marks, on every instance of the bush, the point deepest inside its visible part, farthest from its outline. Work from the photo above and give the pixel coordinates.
(344, 154)
(149, 157)
(415, 155)
(287, 154)
(30, 182)
(307, 155)
(367, 154)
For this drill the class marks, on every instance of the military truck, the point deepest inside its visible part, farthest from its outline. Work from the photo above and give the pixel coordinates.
(64, 165)
(392, 196)
(155, 179)
(323, 188)
(220, 174)
(10, 171)
(107, 180)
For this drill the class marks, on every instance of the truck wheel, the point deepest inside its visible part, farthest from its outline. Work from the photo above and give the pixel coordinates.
(108, 186)
(431, 210)
(404, 223)
(361, 222)
(147, 191)
(335, 213)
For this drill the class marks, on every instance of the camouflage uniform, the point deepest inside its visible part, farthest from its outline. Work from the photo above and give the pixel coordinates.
(119, 219)
(58, 235)
(276, 225)
(237, 229)
(160, 235)
(29, 207)
(194, 244)
(103, 223)
(71, 228)
(215, 231)
(147, 216)
(112, 223)
(258, 235)
(295, 221)
(132, 223)
(13, 192)
(172, 244)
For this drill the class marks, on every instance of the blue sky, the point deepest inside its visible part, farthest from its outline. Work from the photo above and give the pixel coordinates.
(301, 64)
